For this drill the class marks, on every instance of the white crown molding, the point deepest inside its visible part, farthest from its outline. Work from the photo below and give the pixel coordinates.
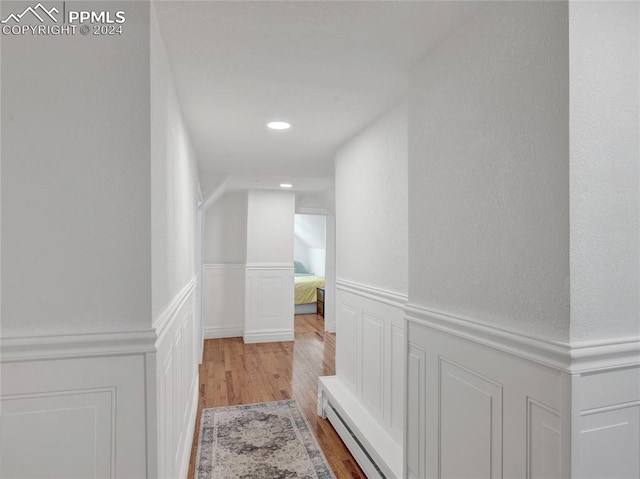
(164, 320)
(59, 346)
(571, 358)
(391, 298)
(269, 266)
(223, 266)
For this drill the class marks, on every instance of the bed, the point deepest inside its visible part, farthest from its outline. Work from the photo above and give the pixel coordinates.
(306, 288)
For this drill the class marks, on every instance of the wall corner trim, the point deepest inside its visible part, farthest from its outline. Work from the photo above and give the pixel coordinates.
(571, 358)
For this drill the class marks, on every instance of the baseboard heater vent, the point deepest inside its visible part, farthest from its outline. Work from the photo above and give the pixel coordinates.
(358, 451)
(374, 447)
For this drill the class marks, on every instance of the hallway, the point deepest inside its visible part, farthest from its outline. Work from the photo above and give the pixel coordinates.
(236, 373)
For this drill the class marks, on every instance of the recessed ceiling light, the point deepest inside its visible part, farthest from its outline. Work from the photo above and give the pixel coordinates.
(286, 185)
(278, 125)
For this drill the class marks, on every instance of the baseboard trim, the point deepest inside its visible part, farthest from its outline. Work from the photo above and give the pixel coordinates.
(391, 298)
(269, 266)
(572, 358)
(223, 332)
(223, 266)
(269, 336)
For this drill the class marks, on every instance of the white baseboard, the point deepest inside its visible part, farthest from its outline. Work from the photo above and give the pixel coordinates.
(377, 452)
(217, 332)
(269, 336)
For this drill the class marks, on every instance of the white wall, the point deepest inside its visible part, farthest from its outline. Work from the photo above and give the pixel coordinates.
(310, 242)
(76, 253)
(75, 182)
(172, 398)
(605, 170)
(269, 270)
(489, 172)
(371, 281)
(371, 205)
(226, 229)
(225, 250)
(270, 226)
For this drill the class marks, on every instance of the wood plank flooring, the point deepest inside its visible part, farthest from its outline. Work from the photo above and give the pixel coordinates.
(236, 373)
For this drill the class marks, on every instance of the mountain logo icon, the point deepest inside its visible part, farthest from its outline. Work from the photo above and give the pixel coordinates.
(39, 11)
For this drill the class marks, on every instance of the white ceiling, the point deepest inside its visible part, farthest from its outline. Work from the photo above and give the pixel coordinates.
(328, 67)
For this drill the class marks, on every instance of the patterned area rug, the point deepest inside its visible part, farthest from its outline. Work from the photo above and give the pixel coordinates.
(258, 441)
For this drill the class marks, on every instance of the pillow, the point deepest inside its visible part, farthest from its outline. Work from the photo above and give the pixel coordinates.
(299, 267)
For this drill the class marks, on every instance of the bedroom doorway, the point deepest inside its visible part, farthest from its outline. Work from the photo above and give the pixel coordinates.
(314, 268)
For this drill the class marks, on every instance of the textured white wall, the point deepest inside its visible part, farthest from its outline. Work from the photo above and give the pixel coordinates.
(605, 170)
(75, 181)
(174, 185)
(225, 229)
(270, 226)
(371, 204)
(489, 172)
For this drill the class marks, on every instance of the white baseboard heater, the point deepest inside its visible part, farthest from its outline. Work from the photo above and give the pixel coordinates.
(376, 451)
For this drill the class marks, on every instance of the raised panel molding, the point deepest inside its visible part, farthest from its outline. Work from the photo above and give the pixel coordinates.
(486, 413)
(370, 366)
(609, 441)
(269, 302)
(372, 361)
(544, 447)
(71, 434)
(347, 338)
(416, 407)
(469, 423)
(128, 400)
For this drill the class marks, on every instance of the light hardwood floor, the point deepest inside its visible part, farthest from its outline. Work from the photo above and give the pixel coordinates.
(236, 373)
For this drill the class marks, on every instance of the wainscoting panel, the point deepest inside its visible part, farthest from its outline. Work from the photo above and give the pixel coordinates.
(370, 365)
(74, 418)
(484, 413)
(416, 378)
(74, 428)
(108, 405)
(470, 423)
(223, 300)
(269, 303)
(347, 347)
(607, 434)
(373, 357)
(176, 384)
(543, 439)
